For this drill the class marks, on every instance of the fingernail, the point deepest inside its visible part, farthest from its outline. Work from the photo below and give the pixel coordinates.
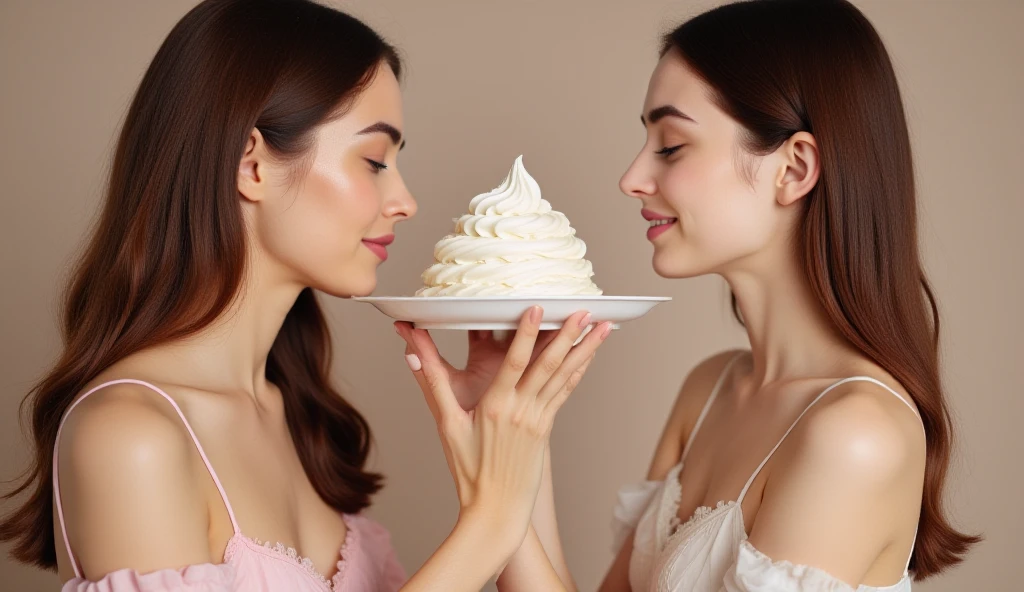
(536, 313)
(585, 320)
(606, 332)
(414, 362)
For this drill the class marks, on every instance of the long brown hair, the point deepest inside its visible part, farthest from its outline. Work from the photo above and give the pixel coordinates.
(168, 255)
(779, 67)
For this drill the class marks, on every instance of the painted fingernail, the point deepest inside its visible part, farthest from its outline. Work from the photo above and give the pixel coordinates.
(606, 332)
(585, 320)
(535, 314)
(414, 362)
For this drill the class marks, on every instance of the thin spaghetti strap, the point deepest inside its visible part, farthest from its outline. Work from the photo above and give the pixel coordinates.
(906, 570)
(707, 404)
(757, 471)
(894, 393)
(192, 434)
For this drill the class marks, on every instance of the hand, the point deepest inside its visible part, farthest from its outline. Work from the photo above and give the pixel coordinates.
(495, 451)
(487, 350)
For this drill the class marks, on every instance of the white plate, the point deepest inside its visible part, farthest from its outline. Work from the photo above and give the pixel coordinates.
(503, 312)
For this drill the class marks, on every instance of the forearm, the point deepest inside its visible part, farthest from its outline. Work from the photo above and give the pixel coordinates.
(530, 569)
(548, 554)
(466, 560)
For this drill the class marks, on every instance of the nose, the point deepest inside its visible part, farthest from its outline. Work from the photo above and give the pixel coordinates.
(401, 204)
(637, 181)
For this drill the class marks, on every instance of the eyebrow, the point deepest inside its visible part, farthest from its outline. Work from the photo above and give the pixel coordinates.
(385, 128)
(663, 112)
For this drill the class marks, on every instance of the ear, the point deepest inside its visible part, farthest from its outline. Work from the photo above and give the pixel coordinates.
(253, 168)
(800, 168)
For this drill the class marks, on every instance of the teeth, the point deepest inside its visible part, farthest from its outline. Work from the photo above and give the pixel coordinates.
(661, 222)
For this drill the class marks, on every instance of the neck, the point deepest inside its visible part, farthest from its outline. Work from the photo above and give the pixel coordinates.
(231, 354)
(790, 334)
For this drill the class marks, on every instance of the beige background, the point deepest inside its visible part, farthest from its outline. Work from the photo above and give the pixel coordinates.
(561, 82)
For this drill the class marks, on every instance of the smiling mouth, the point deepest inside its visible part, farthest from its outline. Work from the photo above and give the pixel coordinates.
(659, 226)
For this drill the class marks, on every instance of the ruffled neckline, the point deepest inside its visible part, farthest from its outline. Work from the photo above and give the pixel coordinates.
(755, 563)
(289, 554)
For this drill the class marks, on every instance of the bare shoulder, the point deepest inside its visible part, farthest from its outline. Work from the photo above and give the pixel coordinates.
(694, 392)
(132, 497)
(121, 431)
(862, 430)
(853, 466)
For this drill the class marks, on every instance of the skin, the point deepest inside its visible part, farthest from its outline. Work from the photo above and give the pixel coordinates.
(854, 465)
(135, 492)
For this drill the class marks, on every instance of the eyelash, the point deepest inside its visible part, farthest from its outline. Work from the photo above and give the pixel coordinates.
(377, 166)
(669, 150)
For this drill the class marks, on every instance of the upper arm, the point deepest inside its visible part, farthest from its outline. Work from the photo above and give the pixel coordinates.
(128, 486)
(694, 393)
(835, 497)
(617, 578)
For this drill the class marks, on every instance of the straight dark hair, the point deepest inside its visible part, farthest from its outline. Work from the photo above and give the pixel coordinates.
(168, 255)
(779, 67)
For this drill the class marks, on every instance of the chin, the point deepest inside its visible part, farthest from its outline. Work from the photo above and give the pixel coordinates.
(348, 287)
(675, 265)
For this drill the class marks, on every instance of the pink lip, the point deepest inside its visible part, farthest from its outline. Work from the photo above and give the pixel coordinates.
(655, 231)
(650, 215)
(379, 245)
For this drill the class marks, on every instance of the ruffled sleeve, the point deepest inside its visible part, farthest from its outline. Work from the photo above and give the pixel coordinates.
(632, 501)
(206, 577)
(369, 559)
(754, 571)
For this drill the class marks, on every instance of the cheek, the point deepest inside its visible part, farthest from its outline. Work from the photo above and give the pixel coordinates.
(342, 210)
(699, 188)
(720, 211)
(316, 229)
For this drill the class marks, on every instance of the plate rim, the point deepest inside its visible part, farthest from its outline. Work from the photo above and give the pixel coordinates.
(372, 299)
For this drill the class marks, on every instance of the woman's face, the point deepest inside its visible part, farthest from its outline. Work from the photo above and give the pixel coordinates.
(711, 203)
(328, 225)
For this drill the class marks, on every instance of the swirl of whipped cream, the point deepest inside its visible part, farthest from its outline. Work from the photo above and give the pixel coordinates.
(548, 225)
(511, 242)
(519, 273)
(476, 249)
(519, 193)
(547, 289)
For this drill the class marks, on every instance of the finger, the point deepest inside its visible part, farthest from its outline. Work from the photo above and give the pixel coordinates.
(551, 358)
(432, 369)
(543, 340)
(517, 360)
(552, 406)
(415, 366)
(572, 363)
(408, 328)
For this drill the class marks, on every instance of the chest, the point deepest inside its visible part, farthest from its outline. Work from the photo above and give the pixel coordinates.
(724, 455)
(272, 498)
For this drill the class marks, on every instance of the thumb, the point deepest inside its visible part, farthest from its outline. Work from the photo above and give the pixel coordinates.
(429, 369)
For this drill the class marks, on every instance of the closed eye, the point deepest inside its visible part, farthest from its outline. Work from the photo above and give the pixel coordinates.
(377, 166)
(669, 150)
